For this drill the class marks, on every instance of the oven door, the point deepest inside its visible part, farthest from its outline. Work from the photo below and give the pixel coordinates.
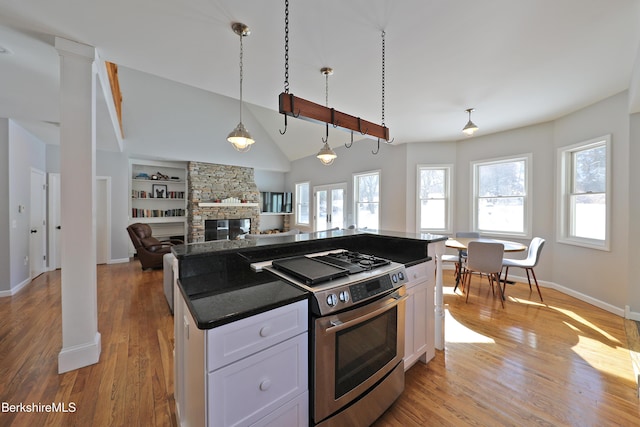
(353, 350)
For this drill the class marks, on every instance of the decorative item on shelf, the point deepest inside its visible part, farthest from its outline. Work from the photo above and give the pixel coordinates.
(326, 154)
(293, 106)
(240, 137)
(142, 175)
(470, 127)
(159, 191)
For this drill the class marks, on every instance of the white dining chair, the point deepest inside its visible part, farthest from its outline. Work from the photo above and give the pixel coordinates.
(484, 257)
(461, 256)
(533, 256)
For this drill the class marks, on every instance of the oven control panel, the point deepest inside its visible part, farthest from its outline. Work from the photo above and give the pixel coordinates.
(347, 296)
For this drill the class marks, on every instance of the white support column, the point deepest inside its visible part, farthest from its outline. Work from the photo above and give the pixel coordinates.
(439, 248)
(80, 337)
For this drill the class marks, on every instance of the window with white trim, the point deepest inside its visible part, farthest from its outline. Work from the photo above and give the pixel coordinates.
(501, 191)
(302, 204)
(366, 196)
(434, 195)
(584, 193)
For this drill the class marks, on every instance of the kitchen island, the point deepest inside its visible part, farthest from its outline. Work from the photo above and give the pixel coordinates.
(218, 296)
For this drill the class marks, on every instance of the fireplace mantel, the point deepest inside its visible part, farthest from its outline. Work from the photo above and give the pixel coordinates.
(219, 204)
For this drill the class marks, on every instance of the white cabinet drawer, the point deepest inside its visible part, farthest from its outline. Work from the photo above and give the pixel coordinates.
(242, 393)
(417, 273)
(236, 340)
(292, 414)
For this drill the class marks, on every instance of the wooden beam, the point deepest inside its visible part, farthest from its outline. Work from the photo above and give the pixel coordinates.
(112, 71)
(293, 106)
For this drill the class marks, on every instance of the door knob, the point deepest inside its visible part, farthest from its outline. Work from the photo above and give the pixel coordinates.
(58, 227)
(34, 230)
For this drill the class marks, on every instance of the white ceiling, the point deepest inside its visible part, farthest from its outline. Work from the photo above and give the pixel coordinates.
(516, 62)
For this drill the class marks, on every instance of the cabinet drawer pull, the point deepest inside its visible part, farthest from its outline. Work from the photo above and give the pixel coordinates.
(265, 384)
(265, 331)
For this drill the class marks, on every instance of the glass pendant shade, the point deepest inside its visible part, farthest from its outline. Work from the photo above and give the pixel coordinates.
(240, 138)
(326, 154)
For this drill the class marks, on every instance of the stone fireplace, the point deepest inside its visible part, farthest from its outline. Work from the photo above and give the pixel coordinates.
(209, 186)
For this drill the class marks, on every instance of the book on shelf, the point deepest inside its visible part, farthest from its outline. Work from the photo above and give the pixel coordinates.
(156, 213)
(141, 194)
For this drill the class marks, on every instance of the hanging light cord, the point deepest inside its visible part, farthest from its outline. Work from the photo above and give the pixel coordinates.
(286, 46)
(326, 89)
(383, 75)
(241, 74)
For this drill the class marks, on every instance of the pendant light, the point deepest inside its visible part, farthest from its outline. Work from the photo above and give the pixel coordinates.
(240, 137)
(326, 155)
(470, 127)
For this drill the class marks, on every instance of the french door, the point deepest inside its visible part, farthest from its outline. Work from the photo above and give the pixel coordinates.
(330, 203)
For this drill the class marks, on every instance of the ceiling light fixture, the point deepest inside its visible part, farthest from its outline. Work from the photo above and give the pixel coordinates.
(326, 154)
(293, 106)
(240, 137)
(470, 127)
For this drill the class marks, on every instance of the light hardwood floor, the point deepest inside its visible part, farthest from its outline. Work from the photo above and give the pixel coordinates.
(563, 362)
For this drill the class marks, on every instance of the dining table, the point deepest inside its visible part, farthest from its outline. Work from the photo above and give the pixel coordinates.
(461, 244)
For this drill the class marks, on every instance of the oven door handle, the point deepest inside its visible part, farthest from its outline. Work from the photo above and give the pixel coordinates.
(338, 325)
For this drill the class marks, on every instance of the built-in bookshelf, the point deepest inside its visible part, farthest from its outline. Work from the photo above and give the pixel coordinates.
(158, 196)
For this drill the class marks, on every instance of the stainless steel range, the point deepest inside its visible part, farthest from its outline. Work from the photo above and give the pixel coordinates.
(358, 312)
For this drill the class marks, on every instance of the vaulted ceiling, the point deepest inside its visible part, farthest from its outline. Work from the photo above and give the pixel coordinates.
(516, 62)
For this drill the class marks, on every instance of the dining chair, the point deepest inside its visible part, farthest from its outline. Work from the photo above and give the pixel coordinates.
(461, 256)
(533, 256)
(484, 257)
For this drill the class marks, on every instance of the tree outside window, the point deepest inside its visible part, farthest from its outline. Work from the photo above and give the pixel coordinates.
(584, 205)
(367, 199)
(302, 203)
(501, 196)
(433, 199)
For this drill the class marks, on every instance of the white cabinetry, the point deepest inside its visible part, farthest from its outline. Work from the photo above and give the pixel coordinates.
(252, 372)
(158, 196)
(419, 324)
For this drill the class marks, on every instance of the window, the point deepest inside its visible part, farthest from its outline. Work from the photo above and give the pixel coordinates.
(501, 196)
(434, 212)
(366, 194)
(584, 173)
(302, 203)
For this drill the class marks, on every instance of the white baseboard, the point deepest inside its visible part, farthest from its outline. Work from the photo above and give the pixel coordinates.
(631, 315)
(79, 356)
(15, 289)
(118, 260)
(626, 313)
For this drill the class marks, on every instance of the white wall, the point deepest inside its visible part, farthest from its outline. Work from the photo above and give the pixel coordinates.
(172, 121)
(600, 274)
(391, 161)
(605, 277)
(537, 140)
(633, 249)
(5, 243)
(25, 152)
(116, 166)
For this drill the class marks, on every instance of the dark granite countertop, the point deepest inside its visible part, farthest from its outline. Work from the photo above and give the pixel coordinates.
(216, 308)
(220, 287)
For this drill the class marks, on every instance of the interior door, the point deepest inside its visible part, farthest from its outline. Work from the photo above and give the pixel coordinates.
(330, 202)
(37, 224)
(102, 214)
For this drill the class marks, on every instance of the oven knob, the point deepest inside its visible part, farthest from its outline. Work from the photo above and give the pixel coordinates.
(394, 278)
(401, 275)
(344, 296)
(332, 300)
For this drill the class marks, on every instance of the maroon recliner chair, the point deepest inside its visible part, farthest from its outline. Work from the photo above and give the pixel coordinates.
(149, 249)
